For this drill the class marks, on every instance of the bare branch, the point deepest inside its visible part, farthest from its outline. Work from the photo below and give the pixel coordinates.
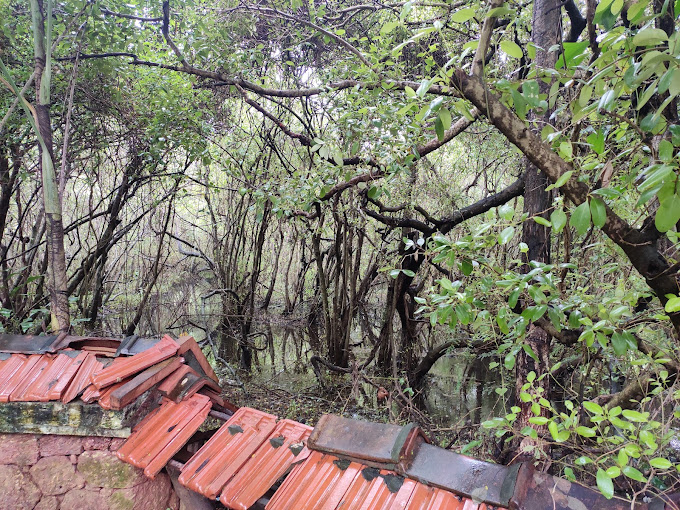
(484, 39)
(129, 16)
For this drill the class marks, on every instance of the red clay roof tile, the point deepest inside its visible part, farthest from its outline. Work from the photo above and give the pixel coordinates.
(319, 482)
(208, 471)
(90, 394)
(8, 371)
(374, 489)
(195, 358)
(58, 369)
(28, 375)
(81, 379)
(430, 498)
(172, 385)
(142, 382)
(104, 398)
(271, 461)
(151, 446)
(61, 380)
(127, 367)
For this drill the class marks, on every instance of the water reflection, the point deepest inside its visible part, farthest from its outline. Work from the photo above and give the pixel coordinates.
(460, 388)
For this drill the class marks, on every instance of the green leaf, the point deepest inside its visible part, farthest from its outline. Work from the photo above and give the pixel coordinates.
(649, 122)
(650, 37)
(613, 471)
(580, 218)
(585, 431)
(673, 304)
(634, 474)
(598, 212)
(552, 428)
(506, 211)
(466, 267)
(445, 118)
(574, 53)
(619, 343)
(509, 362)
(439, 129)
(506, 235)
(463, 313)
(566, 151)
(668, 213)
(531, 93)
(635, 416)
(605, 484)
(665, 151)
(593, 407)
(497, 12)
(558, 219)
(596, 141)
(388, 27)
(606, 101)
(511, 49)
(463, 15)
(542, 221)
(660, 463)
(514, 296)
(561, 181)
(583, 461)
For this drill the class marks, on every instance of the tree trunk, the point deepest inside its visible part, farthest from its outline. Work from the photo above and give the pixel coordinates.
(537, 202)
(56, 280)
(275, 270)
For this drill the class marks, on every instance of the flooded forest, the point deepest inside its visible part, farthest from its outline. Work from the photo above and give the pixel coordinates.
(460, 214)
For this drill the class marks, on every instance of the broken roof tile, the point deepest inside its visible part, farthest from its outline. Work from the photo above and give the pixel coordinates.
(127, 367)
(90, 394)
(217, 399)
(484, 481)
(195, 358)
(142, 382)
(135, 344)
(196, 383)
(377, 444)
(271, 461)
(209, 470)
(172, 384)
(29, 344)
(319, 482)
(81, 379)
(151, 446)
(104, 398)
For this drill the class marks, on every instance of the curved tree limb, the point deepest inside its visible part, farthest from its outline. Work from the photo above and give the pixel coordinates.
(640, 247)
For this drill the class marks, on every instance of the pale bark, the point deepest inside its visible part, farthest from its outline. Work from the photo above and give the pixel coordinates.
(56, 280)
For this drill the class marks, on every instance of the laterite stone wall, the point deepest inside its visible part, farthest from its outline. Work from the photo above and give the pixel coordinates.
(50, 472)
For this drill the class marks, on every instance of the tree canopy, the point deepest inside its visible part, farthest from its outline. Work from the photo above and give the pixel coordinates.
(503, 173)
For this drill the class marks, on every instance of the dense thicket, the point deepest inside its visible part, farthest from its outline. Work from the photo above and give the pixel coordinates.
(499, 177)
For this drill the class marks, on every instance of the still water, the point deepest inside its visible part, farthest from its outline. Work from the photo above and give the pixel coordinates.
(460, 389)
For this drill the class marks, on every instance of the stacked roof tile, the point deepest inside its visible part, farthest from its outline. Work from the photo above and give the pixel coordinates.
(56, 371)
(256, 458)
